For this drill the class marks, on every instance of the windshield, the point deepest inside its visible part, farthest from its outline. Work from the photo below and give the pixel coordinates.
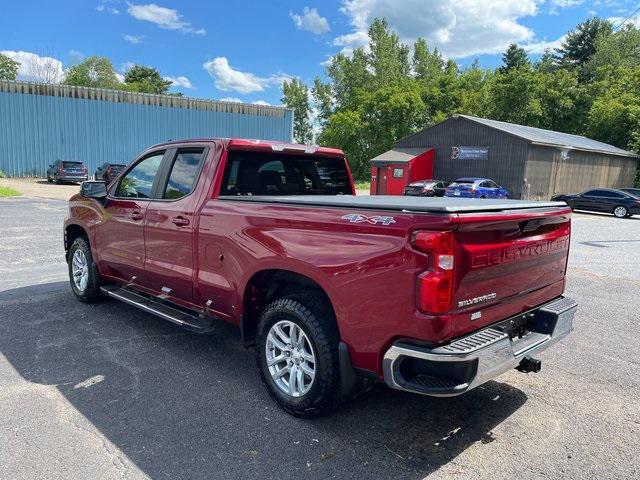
(72, 164)
(260, 173)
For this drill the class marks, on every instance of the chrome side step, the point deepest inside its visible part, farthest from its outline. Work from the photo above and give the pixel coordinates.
(193, 322)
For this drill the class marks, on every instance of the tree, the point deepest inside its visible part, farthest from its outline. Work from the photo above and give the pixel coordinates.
(390, 113)
(619, 49)
(348, 76)
(515, 97)
(426, 65)
(546, 63)
(514, 57)
(563, 101)
(389, 58)
(323, 98)
(146, 80)
(295, 94)
(580, 44)
(94, 72)
(345, 129)
(614, 116)
(8, 68)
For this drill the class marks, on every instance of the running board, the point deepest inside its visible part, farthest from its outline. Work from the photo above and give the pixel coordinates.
(190, 321)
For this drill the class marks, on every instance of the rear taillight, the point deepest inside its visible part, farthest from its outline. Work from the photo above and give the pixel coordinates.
(85, 169)
(109, 170)
(434, 289)
(61, 168)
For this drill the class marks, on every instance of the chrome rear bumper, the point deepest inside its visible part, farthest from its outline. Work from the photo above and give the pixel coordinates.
(477, 358)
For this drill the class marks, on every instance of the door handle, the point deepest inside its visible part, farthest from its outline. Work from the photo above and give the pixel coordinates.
(180, 221)
(135, 216)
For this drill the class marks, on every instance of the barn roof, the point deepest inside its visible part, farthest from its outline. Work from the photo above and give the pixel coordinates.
(399, 155)
(540, 136)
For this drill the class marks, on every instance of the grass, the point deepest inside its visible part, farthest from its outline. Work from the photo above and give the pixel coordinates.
(8, 192)
(363, 185)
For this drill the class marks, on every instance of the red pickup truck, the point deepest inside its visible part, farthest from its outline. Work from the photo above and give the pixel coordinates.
(335, 291)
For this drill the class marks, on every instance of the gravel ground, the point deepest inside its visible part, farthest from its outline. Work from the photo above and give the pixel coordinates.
(104, 391)
(40, 188)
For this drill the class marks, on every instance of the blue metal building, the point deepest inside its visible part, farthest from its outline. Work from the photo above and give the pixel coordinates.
(43, 123)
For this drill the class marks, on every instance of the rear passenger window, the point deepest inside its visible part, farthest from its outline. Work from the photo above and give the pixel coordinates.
(138, 182)
(184, 173)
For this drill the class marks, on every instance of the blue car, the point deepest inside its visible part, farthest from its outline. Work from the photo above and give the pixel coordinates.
(473, 187)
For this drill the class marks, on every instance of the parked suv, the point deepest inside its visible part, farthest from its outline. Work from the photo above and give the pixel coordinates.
(474, 187)
(67, 171)
(108, 171)
(336, 291)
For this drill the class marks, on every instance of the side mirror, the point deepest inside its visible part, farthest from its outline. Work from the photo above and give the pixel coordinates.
(94, 189)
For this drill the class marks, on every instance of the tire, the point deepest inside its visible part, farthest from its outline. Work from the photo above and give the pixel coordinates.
(314, 317)
(86, 291)
(621, 211)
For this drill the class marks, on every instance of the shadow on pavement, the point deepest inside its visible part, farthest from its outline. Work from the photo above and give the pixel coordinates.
(186, 406)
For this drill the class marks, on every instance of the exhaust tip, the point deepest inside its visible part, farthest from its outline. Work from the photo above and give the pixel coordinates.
(529, 365)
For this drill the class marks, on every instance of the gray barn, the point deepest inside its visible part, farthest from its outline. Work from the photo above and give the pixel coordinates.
(531, 162)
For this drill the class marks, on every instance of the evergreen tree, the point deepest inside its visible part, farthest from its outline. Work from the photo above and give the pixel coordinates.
(146, 79)
(580, 44)
(514, 57)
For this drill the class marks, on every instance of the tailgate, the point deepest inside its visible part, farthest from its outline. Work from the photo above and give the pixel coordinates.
(509, 255)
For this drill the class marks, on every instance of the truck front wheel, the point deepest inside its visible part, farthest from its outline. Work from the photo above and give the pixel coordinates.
(297, 354)
(83, 274)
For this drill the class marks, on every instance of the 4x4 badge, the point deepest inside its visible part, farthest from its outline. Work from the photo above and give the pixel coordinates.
(358, 218)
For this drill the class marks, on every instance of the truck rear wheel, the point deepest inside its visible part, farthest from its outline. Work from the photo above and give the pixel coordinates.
(83, 275)
(297, 355)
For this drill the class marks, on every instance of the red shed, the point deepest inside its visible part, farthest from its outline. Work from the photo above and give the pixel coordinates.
(397, 168)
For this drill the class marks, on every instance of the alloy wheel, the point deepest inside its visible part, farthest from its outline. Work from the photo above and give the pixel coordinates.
(80, 270)
(290, 358)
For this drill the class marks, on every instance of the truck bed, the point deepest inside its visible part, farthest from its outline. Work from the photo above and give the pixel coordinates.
(400, 203)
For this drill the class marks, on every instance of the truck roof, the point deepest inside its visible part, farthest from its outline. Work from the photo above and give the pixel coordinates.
(257, 144)
(400, 203)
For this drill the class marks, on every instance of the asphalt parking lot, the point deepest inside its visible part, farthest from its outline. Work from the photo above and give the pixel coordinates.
(105, 391)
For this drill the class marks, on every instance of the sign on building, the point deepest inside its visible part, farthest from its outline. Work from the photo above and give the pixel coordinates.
(469, 153)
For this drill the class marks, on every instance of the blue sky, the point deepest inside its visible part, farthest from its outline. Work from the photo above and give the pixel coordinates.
(244, 49)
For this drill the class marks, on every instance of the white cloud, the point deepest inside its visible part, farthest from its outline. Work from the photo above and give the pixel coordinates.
(624, 22)
(36, 68)
(459, 28)
(179, 81)
(228, 79)
(132, 39)
(311, 20)
(542, 45)
(566, 3)
(163, 17)
(77, 56)
(261, 102)
(230, 99)
(111, 10)
(126, 66)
